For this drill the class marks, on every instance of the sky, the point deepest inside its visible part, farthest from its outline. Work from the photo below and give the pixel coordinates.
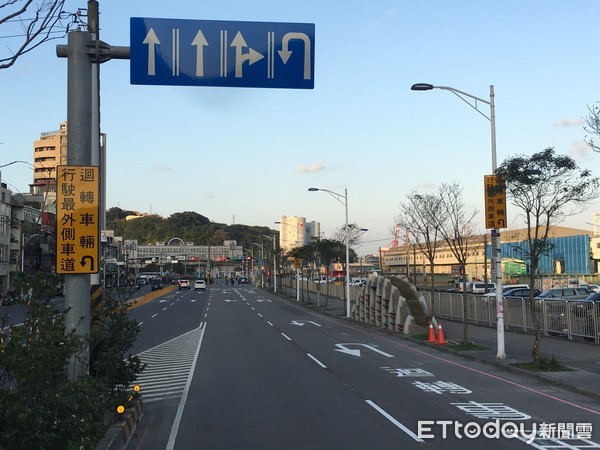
(248, 155)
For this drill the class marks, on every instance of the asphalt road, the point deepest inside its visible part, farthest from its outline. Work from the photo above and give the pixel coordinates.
(239, 368)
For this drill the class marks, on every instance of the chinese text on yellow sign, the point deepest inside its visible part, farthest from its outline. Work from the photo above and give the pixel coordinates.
(77, 213)
(495, 201)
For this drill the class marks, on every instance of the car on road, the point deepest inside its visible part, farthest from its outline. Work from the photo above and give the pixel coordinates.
(358, 283)
(242, 280)
(156, 284)
(200, 285)
(184, 284)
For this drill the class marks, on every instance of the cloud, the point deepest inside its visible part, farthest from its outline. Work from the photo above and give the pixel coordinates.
(163, 168)
(567, 123)
(210, 195)
(316, 167)
(580, 149)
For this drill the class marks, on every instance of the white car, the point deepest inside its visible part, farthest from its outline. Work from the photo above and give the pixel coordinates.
(200, 285)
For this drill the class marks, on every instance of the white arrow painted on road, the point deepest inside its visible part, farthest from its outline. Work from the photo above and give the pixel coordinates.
(200, 42)
(285, 53)
(342, 348)
(229, 300)
(252, 56)
(301, 323)
(151, 39)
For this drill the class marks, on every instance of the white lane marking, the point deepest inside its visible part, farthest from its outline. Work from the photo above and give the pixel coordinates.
(270, 324)
(165, 308)
(175, 428)
(317, 361)
(260, 315)
(394, 421)
(154, 316)
(286, 336)
(140, 324)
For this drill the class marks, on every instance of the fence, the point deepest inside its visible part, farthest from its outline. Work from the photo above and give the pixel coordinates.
(570, 318)
(378, 303)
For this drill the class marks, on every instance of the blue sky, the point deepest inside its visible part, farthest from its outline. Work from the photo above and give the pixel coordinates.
(251, 154)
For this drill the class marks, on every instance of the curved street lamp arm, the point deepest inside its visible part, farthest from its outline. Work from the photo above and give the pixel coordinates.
(462, 95)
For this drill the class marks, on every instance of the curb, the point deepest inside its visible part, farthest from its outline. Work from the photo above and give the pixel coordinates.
(120, 431)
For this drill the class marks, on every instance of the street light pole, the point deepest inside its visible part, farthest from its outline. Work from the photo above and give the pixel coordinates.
(338, 197)
(262, 260)
(495, 234)
(274, 262)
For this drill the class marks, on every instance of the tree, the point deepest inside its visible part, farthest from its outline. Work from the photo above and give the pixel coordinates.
(592, 126)
(458, 229)
(419, 216)
(29, 24)
(547, 188)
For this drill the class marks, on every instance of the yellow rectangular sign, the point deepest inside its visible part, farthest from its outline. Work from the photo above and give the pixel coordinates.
(495, 201)
(77, 219)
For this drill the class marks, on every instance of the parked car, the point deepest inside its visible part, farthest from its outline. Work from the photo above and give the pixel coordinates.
(139, 282)
(510, 291)
(200, 285)
(156, 284)
(593, 288)
(568, 293)
(479, 287)
(184, 284)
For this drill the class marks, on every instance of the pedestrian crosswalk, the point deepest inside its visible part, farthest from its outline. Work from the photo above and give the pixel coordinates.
(168, 367)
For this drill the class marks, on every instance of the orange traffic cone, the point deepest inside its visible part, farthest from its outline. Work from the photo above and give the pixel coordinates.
(441, 339)
(431, 336)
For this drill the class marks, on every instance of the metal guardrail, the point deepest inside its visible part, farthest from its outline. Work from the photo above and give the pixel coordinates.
(570, 318)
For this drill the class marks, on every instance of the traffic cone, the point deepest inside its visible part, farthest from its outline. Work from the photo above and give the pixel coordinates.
(431, 336)
(441, 339)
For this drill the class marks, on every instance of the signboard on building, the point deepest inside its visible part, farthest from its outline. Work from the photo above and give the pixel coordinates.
(77, 212)
(495, 201)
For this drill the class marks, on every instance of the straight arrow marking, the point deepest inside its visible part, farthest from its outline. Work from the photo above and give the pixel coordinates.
(200, 42)
(151, 39)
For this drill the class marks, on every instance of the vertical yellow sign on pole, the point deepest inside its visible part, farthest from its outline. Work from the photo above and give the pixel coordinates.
(495, 201)
(77, 214)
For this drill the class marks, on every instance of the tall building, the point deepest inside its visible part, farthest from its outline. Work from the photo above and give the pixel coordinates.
(295, 231)
(49, 151)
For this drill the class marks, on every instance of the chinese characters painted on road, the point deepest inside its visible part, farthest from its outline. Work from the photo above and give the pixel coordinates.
(77, 214)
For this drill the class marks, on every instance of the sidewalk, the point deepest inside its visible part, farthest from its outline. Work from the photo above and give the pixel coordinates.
(582, 357)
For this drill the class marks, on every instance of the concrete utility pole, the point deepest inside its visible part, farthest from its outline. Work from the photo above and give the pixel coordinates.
(83, 52)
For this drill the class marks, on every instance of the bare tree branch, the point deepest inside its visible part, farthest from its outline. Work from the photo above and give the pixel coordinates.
(592, 126)
(44, 22)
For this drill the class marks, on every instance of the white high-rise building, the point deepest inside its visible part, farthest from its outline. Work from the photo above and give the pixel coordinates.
(295, 231)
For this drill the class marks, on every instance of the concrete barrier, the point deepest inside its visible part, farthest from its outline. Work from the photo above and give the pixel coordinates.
(120, 431)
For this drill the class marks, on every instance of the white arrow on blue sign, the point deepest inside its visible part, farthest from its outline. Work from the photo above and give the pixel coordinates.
(181, 52)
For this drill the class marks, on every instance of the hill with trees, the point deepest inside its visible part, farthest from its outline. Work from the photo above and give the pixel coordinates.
(189, 226)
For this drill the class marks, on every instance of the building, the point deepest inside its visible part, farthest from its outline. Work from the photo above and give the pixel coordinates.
(295, 232)
(574, 252)
(49, 151)
(218, 260)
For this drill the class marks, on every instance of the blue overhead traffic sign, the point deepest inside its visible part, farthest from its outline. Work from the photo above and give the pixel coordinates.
(222, 53)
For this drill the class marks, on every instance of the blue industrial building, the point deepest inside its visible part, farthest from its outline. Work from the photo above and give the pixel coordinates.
(568, 255)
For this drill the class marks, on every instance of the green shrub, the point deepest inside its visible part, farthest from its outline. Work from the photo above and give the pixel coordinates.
(40, 408)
